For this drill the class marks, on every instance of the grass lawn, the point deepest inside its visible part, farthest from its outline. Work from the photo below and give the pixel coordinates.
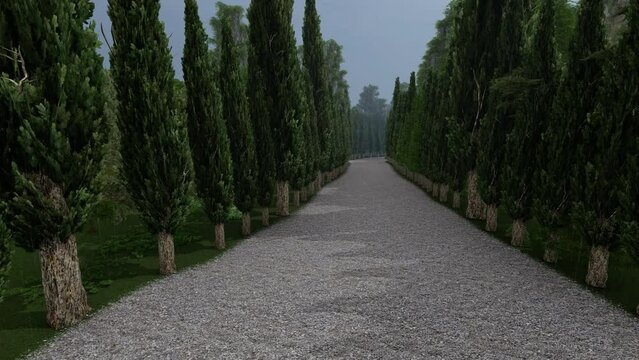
(116, 256)
(623, 271)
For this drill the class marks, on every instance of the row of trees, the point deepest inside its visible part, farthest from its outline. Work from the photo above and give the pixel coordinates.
(257, 113)
(526, 106)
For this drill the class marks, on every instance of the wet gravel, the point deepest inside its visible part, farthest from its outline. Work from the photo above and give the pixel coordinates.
(371, 268)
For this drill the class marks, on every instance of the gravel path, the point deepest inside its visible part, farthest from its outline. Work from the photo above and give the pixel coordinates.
(371, 268)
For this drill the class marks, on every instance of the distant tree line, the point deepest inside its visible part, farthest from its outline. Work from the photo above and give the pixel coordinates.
(368, 119)
(530, 106)
(253, 120)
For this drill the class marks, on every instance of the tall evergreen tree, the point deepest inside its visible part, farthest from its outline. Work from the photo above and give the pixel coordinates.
(391, 130)
(314, 61)
(523, 142)
(274, 61)
(153, 141)
(56, 110)
(261, 103)
(573, 102)
(235, 106)
(206, 122)
(499, 117)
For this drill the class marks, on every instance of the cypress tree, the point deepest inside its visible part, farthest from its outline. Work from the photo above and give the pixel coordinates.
(391, 129)
(235, 105)
(574, 101)
(261, 103)
(153, 141)
(55, 113)
(500, 113)
(207, 130)
(312, 138)
(274, 59)
(609, 154)
(314, 61)
(535, 106)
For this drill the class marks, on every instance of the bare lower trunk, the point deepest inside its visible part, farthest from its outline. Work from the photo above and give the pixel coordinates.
(518, 233)
(456, 200)
(166, 251)
(265, 216)
(246, 224)
(282, 198)
(296, 198)
(473, 210)
(598, 266)
(435, 190)
(318, 184)
(220, 241)
(491, 218)
(550, 251)
(443, 193)
(304, 194)
(483, 208)
(429, 186)
(64, 294)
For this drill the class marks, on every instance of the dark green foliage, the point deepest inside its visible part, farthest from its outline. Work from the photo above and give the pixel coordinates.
(314, 61)
(235, 105)
(311, 137)
(54, 117)
(391, 123)
(534, 103)
(502, 106)
(5, 255)
(557, 173)
(340, 124)
(206, 124)
(261, 100)
(272, 65)
(153, 140)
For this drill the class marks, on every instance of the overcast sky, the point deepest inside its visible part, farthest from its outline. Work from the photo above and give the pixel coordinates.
(382, 39)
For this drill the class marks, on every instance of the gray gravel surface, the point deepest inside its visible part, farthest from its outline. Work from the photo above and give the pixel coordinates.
(371, 268)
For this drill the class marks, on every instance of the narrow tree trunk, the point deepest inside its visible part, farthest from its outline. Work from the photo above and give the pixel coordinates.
(550, 251)
(304, 194)
(483, 208)
(64, 294)
(491, 218)
(429, 186)
(265, 216)
(318, 186)
(220, 241)
(296, 198)
(473, 210)
(246, 224)
(598, 266)
(456, 200)
(282, 198)
(518, 233)
(166, 251)
(435, 190)
(443, 193)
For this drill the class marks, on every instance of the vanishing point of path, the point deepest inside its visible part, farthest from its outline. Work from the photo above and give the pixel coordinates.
(371, 268)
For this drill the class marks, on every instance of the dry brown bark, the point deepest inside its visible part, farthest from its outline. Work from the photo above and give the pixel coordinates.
(64, 294)
(518, 233)
(220, 241)
(491, 218)
(246, 224)
(473, 210)
(598, 266)
(166, 252)
(282, 198)
(265, 216)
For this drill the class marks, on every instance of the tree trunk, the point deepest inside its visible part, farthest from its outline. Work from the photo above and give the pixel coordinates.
(598, 266)
(265, 216)
(473, 210)
(435, 190)
(282, 198)
(550, 251)
(246, 224)
(518, 233)
(296, 198)
(166, 251)
(318, 185)
(64, 294)
(456, 200)
(484, 208)
(491, 218)
(429, 186)
(220, 241)
(304, 194)
(443, 193)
